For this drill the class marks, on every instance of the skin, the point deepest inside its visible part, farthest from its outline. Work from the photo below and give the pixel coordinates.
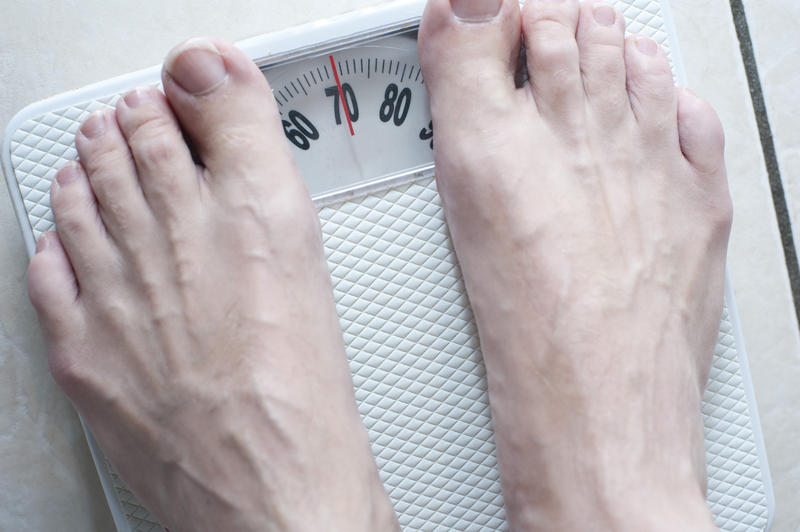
(590, 214)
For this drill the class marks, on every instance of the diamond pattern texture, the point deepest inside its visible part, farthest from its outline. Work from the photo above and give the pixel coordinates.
(413, 349)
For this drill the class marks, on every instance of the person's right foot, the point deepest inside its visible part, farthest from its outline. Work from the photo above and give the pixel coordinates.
(590, 214)
(188, 311)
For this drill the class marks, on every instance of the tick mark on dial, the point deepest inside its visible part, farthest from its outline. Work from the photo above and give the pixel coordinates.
(404, 73)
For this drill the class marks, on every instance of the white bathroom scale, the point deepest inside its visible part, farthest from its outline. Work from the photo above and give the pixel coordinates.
(354, 107)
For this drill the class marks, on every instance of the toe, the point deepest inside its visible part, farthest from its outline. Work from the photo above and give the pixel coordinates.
(552, 55)
(700, 132)
(80, 227)
(105, 156)
(52, 287)
(650, 88)
(468, 53)
(601, 42)
(167, 173)
(227, 110)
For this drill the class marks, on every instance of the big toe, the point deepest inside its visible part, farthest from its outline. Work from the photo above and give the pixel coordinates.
(468, 53)
(226, 108)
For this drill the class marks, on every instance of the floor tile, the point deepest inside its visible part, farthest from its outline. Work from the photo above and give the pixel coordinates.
(756, 263)
(47, 480)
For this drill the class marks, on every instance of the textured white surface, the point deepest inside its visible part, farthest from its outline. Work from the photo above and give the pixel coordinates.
(416, 363)
(420, 381)
(31, 479)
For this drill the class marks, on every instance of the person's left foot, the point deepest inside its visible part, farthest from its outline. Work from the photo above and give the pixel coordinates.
(188, 312)
(590, 214)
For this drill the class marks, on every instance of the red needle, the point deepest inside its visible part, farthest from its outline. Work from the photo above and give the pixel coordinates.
(341, 97)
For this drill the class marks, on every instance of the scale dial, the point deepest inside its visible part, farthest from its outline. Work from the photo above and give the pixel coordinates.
(356, 115)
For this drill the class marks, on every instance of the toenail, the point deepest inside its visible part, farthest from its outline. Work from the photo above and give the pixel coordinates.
(604, 14)
(475, 10)
(197, 66)
(95, 125)
(689, 91)
(647, 46)
(138, 96)
(69, 173)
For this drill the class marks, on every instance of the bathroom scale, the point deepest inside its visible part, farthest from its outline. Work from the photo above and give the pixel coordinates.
(354, 108)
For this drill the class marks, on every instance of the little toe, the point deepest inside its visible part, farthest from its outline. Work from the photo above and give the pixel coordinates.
(52, 287)
(700, 132)
(167, 174)
(601, 41)
(468, 52)
(226, 108)
(553, 62)
(650, 88)
(80, 227)
(105, 157)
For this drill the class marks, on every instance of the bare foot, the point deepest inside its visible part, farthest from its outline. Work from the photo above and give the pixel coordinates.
(188, 311)
(590, 213)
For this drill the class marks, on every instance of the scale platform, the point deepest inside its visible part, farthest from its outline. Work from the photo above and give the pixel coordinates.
(409, 331)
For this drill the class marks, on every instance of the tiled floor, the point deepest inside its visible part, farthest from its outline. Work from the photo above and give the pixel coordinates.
(47, 480)
(773, 27)
(757, 263)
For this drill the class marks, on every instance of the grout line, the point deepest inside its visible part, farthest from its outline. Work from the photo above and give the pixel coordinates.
(768, 149)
